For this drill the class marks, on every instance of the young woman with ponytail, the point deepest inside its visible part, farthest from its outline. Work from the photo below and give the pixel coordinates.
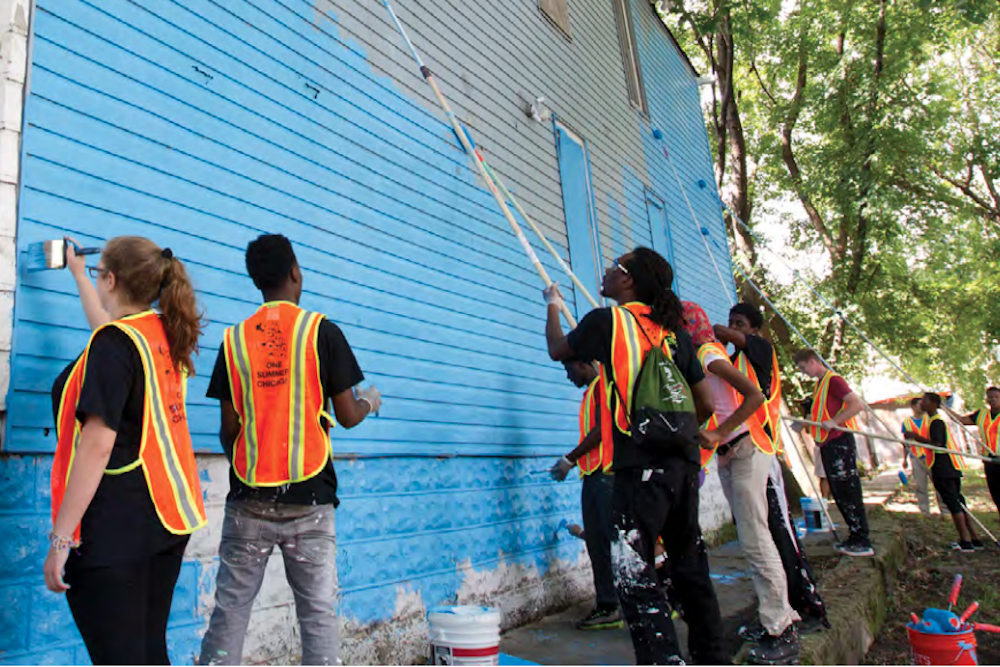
(655, 493)
(125, 492)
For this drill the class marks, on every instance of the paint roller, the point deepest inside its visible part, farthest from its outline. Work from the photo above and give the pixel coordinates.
(48, 255)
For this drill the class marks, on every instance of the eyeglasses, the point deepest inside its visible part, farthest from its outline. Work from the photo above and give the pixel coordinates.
(96, 271)
(621, 268)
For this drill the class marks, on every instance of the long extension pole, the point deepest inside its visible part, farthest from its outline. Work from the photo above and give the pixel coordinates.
(541, 236)
(980, 524)
(477, 159)
(933, 448)
(809, 475)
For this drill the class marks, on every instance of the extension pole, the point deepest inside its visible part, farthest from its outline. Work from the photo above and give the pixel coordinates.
(980, 524)
(933, 448)
(538, 232)
(809, 475)
(478, 160)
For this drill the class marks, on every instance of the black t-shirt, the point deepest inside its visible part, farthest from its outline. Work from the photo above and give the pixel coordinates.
(975, 415)
(943, 467)
(591, 341)
(760, 353)
(338, 371)
(120, 525)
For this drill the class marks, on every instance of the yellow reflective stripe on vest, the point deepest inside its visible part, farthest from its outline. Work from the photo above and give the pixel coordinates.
(301, 339)
(160, 420)
(241, 361)
(988, 424)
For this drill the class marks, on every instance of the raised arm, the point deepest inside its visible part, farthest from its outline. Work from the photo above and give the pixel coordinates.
(961, 419)
(77, 265)
(727, 335)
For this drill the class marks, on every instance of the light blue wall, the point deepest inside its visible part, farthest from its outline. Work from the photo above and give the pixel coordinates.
(202, 124)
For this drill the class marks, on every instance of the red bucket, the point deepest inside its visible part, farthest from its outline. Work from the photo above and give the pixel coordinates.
(949, 649)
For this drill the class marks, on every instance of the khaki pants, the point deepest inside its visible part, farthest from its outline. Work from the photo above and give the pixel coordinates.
(744, 481)
(921, 479)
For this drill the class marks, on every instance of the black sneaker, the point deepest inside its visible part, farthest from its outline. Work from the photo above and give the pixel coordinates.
(978, 545)
(771, 650)
(601, 619)
(856, 549)
(753, 632)
(963, 547)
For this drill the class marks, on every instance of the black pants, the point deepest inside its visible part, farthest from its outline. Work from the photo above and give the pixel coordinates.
(598, 526)
(122, 610)
(841, 465)
(665, 504)
(802, 592)
(992, 471)
(950, 492)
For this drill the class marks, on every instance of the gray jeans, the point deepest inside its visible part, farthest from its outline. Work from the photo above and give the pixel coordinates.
(306, 536)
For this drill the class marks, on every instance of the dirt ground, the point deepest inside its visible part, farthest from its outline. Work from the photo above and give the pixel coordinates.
(926, 579)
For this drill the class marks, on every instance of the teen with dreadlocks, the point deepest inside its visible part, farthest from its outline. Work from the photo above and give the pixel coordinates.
(655, 493)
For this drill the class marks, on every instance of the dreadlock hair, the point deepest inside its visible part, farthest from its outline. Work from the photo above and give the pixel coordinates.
(270, 259)
(652, 280)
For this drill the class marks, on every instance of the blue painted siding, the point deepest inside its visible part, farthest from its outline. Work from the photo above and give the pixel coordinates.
(203, 124)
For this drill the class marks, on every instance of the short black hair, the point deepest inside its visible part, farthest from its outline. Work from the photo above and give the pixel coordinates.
(996, 389)
(270, 260)
(914, 402)
(935, 399)
(752, 314)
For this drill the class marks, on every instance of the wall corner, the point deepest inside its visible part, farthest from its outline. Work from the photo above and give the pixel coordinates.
(14, 30)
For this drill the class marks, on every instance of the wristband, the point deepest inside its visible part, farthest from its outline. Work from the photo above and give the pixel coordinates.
(60, 543)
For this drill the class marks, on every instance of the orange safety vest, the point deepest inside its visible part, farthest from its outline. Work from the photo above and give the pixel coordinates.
(166, 455)
(602, 456)
(770, 412)
(911, 425)
(629, 348)
(273, 366)
(925, 431)
(989, 430)
(820, 412)
(755, 424)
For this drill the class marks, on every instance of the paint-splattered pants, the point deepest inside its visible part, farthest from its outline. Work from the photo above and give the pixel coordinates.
(598, 527)
(744, 477)
(649, 504)
(306, 536)
(841, 464)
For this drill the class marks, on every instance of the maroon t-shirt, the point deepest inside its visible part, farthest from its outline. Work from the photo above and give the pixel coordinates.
(835, 395)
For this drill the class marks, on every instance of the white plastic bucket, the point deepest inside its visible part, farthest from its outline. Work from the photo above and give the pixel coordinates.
(812, 511)
(464, 635)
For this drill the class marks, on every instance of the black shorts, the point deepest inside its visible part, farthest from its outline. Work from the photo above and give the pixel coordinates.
(950, 490)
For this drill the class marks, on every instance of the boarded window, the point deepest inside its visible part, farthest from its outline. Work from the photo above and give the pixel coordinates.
(630, 59)
(558, 12)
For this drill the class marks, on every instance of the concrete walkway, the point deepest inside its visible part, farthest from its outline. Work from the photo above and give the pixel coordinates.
(555, 641)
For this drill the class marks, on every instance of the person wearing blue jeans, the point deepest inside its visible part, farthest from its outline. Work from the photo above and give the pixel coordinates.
(275, 376)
